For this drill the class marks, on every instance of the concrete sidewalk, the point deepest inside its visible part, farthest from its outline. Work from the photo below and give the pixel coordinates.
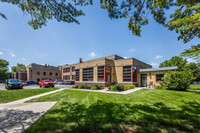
(113, 92)
(17, 116)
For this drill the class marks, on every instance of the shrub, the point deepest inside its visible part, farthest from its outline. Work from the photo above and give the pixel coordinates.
(128, 87)
(86, 87)
(96, 87)
(75, 86)
(93, 87)
(160, 87)
(116, 87)
(81, 86)
(177, 80)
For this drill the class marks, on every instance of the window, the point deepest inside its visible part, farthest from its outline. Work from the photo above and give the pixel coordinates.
(38, 73)
(56, 74)
(127, 73)
(50, 73)
(65, 70)
(73, 68)
(101, 73)
(66, 77)
(159, 77)
(77, 74)
(44, 73)
(88, 74)
(73, 77)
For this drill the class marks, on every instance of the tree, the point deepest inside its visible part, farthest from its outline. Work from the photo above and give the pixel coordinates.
(195, 70)
(177, 80)
(193, 52)
(174, 61)
(3, 69)
(184, 20)
(18, 68)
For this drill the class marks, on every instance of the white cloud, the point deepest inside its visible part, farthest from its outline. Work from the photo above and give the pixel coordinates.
(158, 57)
(131, 50)
(191, 60)
(153, 64)
(125, 57)
(1, 53)
(92, 54)
(12, 54)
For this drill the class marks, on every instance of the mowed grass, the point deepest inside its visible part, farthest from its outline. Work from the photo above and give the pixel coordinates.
(146, 110)
(12, 95)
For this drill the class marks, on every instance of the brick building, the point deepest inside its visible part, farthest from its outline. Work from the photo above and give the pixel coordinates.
(40, 72)
(22, 75)
(113, 69)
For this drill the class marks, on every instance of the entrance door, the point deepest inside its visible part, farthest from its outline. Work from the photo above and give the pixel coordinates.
(108, 78)
(144, 80)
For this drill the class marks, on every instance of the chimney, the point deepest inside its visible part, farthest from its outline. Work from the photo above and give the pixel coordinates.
(80, 60)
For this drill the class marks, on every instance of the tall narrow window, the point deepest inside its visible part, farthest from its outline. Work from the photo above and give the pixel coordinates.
(44, 73)
(134, 74)
(38, 72)
(101, 73)
(127, 73)
(77, 74)
(73, 68)
(73, 77)
(88, 74)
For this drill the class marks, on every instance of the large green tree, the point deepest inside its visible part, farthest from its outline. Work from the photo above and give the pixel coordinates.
(18, 67)
(3, 69)
(195, 70)
(184, 20)
(174, 61)
(193, 52)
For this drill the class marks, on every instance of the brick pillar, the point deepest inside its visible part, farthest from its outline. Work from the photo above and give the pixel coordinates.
(131, 73)
(105, 79)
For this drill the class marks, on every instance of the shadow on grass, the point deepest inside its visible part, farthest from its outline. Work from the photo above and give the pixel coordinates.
(120, 117)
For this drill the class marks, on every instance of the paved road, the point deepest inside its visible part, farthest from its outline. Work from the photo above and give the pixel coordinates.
(2, 86)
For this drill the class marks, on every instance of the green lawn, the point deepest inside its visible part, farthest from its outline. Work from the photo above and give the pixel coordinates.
(12, 95)
(142, 111)
(195, 88)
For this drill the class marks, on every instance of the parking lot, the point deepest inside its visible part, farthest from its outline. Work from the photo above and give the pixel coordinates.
(2, 86)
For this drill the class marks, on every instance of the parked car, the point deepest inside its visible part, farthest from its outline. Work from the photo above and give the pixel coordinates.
(46, 83)
(31, 82)
(13, 84)
(69, 83)
(58, 81)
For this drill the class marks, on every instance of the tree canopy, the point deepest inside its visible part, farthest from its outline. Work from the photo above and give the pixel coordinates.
(193, 52)
(174, 61)
(3, 69)
(185, 20)
(18, 67)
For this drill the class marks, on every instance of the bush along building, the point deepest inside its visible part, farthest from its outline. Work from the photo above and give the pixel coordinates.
(113, 69)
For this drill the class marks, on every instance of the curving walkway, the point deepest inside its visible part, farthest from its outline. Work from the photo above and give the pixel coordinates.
(17, 116)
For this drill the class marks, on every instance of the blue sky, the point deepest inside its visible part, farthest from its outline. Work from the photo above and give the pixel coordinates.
(97, 35)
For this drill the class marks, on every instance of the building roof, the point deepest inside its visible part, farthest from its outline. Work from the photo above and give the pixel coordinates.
(159, 69)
